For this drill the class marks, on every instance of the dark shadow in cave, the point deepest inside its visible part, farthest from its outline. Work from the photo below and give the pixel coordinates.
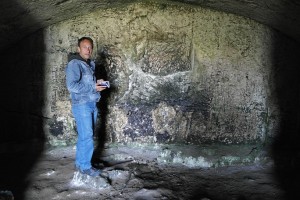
(22, 99)
(101, 130)
(286, 148)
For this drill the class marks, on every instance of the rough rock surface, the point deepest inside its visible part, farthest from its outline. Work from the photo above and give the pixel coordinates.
(19, 18)
(149, 172)
(197, 76)
(179, 73)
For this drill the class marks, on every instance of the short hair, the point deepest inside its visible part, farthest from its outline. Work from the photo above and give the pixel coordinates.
(85, 38)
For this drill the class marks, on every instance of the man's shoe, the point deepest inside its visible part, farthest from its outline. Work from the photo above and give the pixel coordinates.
(91, 171)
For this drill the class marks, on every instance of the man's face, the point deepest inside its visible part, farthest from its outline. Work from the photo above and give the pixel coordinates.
(85, 49)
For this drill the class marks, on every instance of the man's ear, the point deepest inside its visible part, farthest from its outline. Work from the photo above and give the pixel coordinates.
(78, 49)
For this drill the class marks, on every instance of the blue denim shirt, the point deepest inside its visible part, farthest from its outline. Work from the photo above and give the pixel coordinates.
(81, 82)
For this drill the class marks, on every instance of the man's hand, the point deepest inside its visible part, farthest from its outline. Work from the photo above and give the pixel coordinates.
(99, 88)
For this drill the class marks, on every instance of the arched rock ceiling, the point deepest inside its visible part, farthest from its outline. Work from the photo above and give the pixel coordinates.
(19, 18)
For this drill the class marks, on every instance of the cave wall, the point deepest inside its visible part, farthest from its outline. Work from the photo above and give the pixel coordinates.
(178, 73)
(22, 93)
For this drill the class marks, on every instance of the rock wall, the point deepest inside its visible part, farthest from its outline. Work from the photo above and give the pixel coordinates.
(178, 74)
(22, 91)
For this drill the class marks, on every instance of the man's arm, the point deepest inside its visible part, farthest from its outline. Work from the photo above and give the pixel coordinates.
(73, 79)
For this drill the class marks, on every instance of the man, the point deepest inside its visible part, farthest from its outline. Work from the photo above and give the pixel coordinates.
(85, 93)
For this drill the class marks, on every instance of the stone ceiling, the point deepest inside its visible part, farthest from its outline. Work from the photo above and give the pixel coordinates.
(19, 18)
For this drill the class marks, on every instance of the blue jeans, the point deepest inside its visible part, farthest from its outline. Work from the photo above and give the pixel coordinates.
(85, 117)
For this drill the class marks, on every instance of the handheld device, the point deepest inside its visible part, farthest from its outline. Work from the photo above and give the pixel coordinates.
(105, 83)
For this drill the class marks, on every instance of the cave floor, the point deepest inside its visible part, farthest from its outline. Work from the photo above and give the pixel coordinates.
(146, 172)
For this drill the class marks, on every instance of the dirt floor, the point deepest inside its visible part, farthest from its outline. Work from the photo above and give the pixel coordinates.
(146, 172)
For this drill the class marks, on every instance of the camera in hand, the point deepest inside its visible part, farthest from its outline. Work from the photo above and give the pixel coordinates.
(105, 84)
